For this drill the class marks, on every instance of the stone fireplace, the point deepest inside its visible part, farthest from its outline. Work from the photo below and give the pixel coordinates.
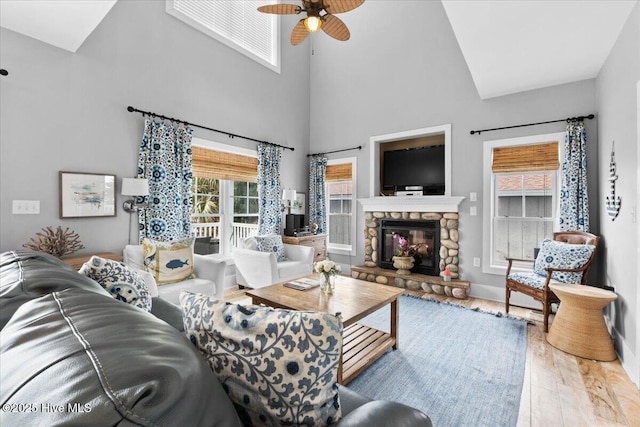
(439, 229)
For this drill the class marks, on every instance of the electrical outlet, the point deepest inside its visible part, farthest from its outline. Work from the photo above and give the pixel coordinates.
(473, 211)
(473, 196)
(476, 262)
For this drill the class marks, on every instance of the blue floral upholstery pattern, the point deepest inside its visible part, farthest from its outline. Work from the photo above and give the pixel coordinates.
(530, 279)
(121, 282)
(562, 255)
(273, 244)
(279, 367)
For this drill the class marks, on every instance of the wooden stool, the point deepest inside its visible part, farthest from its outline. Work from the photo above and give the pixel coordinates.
(578, 328)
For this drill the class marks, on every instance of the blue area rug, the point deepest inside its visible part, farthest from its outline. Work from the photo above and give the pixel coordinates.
(459, 366)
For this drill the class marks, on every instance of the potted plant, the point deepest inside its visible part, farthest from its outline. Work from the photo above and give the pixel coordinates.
(406, 254)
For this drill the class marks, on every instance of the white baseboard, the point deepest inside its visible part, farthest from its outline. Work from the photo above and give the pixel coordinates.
(628, 359)
(496, 293)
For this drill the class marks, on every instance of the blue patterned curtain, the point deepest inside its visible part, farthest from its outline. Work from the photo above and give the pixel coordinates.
(317, 205)
(574, 199)
(165, 160)
(269, 217)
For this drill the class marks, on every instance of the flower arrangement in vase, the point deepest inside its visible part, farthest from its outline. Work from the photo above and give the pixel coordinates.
(328, 271)
(406, 254)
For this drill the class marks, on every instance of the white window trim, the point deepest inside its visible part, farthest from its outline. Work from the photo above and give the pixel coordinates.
(171, 10)
(337, 249)
(489, 206)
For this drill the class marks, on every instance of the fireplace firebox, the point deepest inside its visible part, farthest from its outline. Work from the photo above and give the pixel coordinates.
(422, 235)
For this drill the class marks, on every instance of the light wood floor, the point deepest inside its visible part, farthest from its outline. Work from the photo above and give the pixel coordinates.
(559, 389)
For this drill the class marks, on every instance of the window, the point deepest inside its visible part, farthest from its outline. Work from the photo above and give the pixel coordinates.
(245, 202)
(225, 195)
(238, 24)
(521, 196)
(206, 200)
(339, 186)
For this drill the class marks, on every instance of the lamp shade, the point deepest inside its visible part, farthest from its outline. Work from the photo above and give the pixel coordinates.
(135, 187)
(288, 194)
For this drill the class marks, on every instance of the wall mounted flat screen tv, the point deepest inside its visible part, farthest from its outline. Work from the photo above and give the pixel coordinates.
(423, 166)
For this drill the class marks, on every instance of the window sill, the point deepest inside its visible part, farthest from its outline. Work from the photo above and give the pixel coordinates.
(335, 250)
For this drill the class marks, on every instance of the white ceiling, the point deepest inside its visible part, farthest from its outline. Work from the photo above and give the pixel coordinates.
(510, 46)
(62, 23)
(518, 45)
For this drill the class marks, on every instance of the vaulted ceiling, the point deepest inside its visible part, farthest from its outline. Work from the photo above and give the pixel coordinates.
(509, 46)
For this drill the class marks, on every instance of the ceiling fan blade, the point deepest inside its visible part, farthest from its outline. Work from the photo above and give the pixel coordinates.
(299, 33)
(340, 6)
(280, 9)
(335, 28)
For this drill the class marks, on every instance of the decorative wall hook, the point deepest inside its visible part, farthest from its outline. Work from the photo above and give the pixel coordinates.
(613, 202)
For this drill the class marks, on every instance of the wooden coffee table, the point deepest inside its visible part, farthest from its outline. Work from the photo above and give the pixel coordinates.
(354, 299)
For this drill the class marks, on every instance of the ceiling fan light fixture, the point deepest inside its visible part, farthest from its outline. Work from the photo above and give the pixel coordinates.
(312, 23)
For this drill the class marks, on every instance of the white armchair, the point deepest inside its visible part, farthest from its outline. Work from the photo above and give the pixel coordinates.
(255, 269)
(209, 274)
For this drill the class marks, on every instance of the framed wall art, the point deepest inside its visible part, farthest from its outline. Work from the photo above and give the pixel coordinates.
(85, 195)
(298, 206)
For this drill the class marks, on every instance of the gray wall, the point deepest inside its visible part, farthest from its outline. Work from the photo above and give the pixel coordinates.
(61, 111)
(403, 70)
(618, 106)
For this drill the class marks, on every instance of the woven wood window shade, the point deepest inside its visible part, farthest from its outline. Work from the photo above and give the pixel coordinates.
(220, 165)
(539, 157)
(341, 172)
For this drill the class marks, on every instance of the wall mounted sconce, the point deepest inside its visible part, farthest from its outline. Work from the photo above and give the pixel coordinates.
(134, 187)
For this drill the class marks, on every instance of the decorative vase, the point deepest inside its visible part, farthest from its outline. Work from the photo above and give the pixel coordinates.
(403, 264)
(328, 283)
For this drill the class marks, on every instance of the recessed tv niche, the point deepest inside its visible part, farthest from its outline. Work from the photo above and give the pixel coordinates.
(416, 169)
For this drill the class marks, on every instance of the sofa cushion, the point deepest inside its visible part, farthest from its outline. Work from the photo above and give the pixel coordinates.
(279, 367)
(123, 283)
(292, 269)
(168, 262)
(271, 243)
(554, 254)
(127, 367)
(27, 275)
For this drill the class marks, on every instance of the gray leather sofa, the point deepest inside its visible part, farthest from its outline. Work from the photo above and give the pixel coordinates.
(70, 354)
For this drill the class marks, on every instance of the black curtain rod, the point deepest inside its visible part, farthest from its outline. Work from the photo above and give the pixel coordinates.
(570, 119)
(230, 135)
(359, 147)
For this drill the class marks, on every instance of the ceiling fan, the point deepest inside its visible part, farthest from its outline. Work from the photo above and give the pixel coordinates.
(320, 15)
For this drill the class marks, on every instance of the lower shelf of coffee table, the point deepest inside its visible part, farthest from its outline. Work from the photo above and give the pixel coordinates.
(361, 346)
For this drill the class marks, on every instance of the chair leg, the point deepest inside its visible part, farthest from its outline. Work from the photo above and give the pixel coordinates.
(506, 299)
(545, 314)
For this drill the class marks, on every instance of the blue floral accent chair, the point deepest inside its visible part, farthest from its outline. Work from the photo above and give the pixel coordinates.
(565, 259)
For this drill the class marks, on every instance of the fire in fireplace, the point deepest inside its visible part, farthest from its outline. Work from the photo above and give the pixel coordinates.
(422, 235)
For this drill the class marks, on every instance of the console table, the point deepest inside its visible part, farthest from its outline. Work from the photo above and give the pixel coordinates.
(317, 241)
(76, 261)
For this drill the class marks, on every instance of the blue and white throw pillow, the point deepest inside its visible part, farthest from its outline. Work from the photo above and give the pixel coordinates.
(562, 255)
(121, 282)
(278, 367)
(272, 243)
(169, 262)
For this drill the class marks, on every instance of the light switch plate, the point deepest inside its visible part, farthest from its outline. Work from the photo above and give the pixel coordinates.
(473, 211)
(473, 196)
(476, 262)
(26, 207)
